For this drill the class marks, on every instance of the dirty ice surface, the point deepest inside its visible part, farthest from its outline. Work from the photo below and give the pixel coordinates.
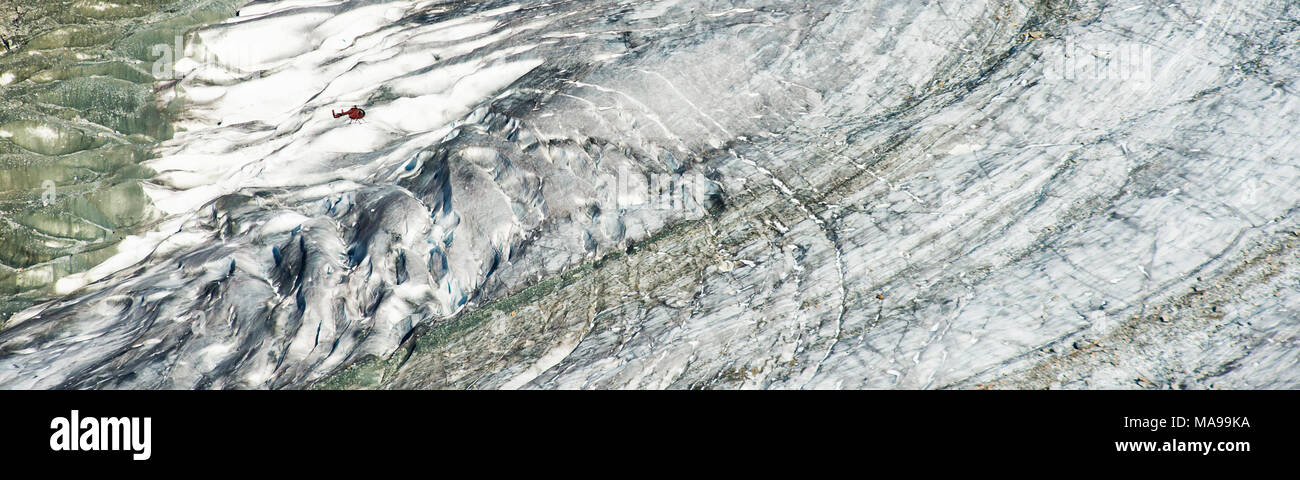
(715, 194)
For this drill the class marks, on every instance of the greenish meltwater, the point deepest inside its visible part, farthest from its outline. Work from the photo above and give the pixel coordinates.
(79, 112)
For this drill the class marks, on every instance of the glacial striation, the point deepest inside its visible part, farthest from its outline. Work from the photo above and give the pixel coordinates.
(713, 194)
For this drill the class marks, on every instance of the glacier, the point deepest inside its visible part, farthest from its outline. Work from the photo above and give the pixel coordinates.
(713, 194)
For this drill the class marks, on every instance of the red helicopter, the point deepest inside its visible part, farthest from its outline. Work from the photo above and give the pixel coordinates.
(354, 113)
